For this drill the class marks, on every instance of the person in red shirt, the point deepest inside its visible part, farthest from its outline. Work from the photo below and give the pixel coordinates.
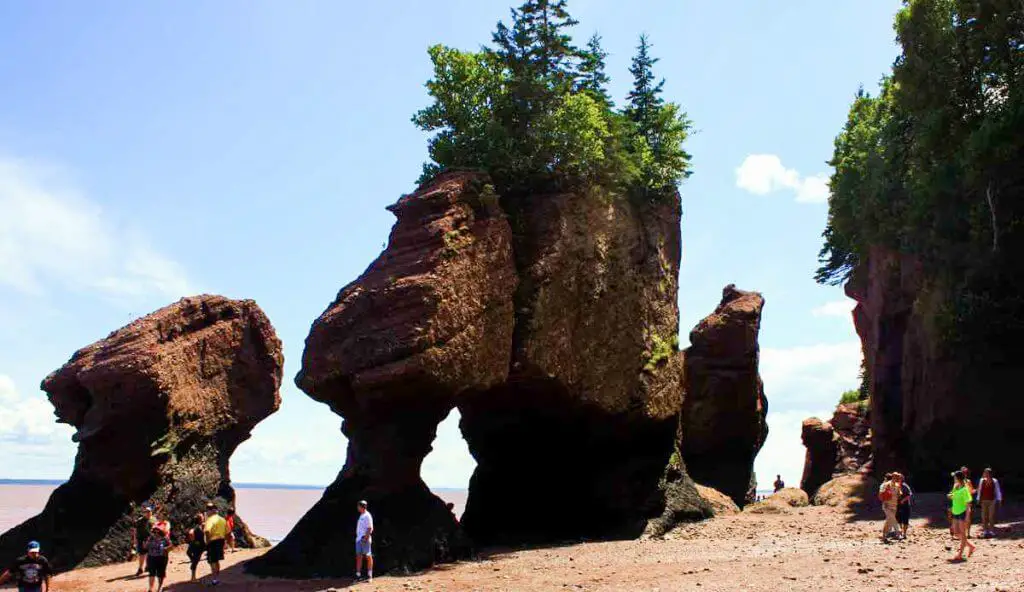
(989, 495)
(230, 518)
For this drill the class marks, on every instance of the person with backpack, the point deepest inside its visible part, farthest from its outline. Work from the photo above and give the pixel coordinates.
(196, 544)
(888, 494)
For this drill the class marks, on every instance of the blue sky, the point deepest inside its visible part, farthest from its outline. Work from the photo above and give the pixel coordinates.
(154, 150)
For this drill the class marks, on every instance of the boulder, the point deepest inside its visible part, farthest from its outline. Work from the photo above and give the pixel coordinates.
(722, 424)
(549, 321)
(819, 463)
(721, 504)
(428, 322)
(159, 407)
(780, 502)
(848, 492)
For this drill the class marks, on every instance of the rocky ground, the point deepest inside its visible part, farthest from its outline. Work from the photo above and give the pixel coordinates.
(815, 548)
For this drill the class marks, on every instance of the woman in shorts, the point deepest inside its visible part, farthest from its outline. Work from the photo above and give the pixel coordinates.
(960, 498)
(156, 558)
(196, 544)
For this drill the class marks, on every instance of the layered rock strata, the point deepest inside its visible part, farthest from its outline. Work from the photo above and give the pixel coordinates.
(159, 407)
(549, 322)
(722, 423)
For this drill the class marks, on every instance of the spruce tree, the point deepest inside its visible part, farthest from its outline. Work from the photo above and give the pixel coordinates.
(592, 77)
(645, 98)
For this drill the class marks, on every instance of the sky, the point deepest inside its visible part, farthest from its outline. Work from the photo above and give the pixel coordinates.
(150, 151)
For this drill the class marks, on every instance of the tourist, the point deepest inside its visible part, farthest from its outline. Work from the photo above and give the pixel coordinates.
(143, 526)
(903, 505)
(364, 542)
(779, 483)
(230, 519)
(196, 544)
(451, 508)
(31, 571)
(157, 546)
(960, 497)
(216, 531)
(888, 494)
(970, 506)
(162, 522)
(989, 495)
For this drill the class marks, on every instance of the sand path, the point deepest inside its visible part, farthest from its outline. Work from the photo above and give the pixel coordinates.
(814, 549)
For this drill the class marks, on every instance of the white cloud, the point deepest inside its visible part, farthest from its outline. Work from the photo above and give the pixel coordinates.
(801, 382)
(762, 174)
(839, 308)
(53, 236)
(32, 443)
(809, 377)
(783, 453)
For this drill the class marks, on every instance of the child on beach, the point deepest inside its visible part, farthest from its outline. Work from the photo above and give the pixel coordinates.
(960, 497)
(157, 546)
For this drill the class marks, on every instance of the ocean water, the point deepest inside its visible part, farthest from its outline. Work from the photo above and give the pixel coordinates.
(270, 510)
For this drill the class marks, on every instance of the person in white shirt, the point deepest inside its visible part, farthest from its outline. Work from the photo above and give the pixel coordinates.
(364, 539)
(989, 495)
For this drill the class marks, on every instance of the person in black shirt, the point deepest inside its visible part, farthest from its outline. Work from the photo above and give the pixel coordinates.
(31, 571)
(196, 543)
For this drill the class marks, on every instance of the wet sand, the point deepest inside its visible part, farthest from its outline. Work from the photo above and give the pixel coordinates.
(816, 549)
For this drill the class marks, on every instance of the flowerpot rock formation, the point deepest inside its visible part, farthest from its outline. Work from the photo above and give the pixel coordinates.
(159, 407)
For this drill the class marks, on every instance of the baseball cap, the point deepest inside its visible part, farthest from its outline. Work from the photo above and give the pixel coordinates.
(211, 506)
(33, 546)
(363, 503)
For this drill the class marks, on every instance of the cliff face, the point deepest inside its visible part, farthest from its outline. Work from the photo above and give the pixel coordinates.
(159, 407)
(839, 447)
(933, 407)
(548, 322)
(722, 425)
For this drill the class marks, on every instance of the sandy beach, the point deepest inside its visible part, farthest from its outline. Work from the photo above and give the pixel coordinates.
(813, 548)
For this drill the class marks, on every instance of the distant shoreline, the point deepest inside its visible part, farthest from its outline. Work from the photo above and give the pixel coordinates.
(58, 482)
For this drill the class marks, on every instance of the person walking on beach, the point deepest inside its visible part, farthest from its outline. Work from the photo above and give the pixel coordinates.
(229, 517)
(989, 496)
(960, 497)
(143, 526)
(157, 547)
(970, 505)
(216, 531)
(196, 544)
(888, 494)
(903, 505)
(31, 571)
(779, 483)
(364, 541)
(162, 522)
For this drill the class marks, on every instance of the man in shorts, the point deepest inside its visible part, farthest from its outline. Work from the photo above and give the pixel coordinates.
(364, 540)
(31, 571)
(143, 526)
(216, 531)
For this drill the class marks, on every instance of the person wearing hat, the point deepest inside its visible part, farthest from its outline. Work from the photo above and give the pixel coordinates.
(216, 530)
(157, 546)
(143, 526)
(364, 540)
(31, 571)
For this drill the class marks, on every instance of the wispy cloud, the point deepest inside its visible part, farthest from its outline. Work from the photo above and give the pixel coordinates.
(762, 174)
(839, 308)
(32, 444)
(53, 237)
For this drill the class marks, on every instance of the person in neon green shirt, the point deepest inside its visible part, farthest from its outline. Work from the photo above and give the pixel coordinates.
(960, 497)
(216, 530)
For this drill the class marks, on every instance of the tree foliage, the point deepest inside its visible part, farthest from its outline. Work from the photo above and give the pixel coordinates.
(930, 166)
(534, 111)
